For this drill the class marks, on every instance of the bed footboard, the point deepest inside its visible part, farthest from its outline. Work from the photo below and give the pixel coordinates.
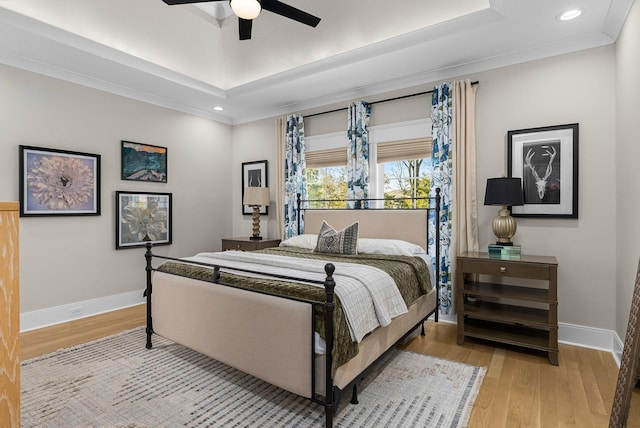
(236, 326)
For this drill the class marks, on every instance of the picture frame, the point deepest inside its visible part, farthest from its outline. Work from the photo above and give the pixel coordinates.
(546, 159)
(56, 182)
(143, 162)
(143, 217)
(254, 174)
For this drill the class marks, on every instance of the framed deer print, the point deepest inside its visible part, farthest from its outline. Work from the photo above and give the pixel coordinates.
(546, 159)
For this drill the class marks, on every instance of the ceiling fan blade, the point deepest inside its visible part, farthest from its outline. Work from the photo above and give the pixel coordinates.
(290, 12)
(173, 2)
(244, 28)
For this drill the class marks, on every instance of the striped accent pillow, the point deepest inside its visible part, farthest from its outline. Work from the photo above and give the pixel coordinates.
(344, 241)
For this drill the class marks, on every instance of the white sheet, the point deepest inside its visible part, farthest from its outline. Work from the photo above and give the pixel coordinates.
(368, 295)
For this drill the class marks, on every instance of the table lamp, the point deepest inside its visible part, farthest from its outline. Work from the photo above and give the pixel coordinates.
(505, 191)
(256, 197)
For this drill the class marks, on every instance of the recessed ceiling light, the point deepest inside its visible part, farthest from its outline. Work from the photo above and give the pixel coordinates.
(218, 108)
(569, 15)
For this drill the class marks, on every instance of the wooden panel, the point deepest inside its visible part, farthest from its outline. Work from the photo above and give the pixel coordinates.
(246, 244)
(507, 268)
(10, 317)
(504, 290)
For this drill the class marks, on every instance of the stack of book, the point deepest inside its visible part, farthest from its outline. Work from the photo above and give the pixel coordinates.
(506, 252)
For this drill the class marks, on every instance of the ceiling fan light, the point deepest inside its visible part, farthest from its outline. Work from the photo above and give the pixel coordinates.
(246, 9)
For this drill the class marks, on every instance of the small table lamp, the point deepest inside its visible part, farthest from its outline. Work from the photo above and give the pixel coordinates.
(506, 192)
(256, 197)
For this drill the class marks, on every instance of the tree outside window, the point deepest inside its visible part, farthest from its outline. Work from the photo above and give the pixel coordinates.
(328, 183)
(402, 179)
(407, 179)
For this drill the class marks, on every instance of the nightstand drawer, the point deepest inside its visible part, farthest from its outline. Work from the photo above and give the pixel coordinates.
(506, 268)
(238, 245)
(246, 244)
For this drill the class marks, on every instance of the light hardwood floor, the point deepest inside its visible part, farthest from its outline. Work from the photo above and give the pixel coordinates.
(520, 389)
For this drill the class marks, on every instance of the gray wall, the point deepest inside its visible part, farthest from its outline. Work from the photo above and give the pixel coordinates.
(70, 259)
(559, 90)
(627, 156)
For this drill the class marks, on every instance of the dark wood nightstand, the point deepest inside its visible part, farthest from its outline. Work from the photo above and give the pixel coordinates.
(246, 244)
(509, 301)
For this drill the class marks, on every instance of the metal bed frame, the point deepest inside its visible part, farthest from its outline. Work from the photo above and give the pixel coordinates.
(333, 394)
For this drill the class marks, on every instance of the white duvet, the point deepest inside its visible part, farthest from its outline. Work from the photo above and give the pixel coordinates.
(369, 296)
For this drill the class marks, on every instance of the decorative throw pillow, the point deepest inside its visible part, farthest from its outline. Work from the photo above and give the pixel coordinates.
(337, 242)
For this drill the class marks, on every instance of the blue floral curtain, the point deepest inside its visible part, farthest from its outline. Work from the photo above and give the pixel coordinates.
(294, 174)
(442, 133)
(358, 162)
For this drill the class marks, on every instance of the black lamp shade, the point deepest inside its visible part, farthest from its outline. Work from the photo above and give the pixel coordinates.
(504, 191)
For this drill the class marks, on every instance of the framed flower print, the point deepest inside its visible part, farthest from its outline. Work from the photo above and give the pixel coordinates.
(141, 218)
(58, 182)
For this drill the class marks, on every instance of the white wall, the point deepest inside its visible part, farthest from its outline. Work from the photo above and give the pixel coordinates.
(553, 91)
(72, 259)
(570, 88)
(253, 141)
(627, 156)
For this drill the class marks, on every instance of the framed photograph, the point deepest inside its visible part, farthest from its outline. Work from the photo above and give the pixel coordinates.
(142, 218)
(58, 182)
(254, 174)
(546, 159)
(143, 162)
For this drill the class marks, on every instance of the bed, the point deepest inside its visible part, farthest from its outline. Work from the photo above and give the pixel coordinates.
(286, 326)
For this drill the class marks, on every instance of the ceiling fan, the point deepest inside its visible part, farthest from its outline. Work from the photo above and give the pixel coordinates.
(247, 10)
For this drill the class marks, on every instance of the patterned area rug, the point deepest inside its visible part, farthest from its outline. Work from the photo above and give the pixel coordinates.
(116, 382)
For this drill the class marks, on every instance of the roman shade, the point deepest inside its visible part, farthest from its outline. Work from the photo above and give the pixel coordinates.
(325, 158)
(414, 148)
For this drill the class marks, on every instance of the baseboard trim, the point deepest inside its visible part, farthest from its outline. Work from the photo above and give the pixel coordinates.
(570, 334)
(59, 314)
(578, 335)
(586, 337)
(618, 347)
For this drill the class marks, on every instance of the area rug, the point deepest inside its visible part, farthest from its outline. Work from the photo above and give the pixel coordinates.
(117, 382)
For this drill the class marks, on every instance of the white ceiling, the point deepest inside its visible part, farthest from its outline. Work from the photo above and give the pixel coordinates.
(189, 59)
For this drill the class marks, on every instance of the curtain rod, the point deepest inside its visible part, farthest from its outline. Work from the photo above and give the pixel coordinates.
(380, 101)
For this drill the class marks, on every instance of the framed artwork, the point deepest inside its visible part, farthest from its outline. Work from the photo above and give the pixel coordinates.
(58, 182)
(143, 162)
(546, 159)
(141, 218)
(254, 174)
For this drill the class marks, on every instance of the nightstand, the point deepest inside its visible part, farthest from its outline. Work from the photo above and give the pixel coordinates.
(246, 244)
(509, 301)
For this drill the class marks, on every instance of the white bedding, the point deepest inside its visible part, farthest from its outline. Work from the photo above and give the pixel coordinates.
(367, 304)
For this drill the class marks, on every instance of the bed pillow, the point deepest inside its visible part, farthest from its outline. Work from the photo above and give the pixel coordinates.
(344, 241)
(306, 241)
(389, 247)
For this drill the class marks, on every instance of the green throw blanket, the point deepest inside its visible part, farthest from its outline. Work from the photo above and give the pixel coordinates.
(410, 274)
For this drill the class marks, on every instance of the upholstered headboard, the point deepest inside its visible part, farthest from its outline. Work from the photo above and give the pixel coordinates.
(408, 225)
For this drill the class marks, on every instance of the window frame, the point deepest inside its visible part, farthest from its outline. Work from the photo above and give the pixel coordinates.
(378, 134)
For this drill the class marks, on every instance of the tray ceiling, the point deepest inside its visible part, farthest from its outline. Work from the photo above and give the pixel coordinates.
(189, 58)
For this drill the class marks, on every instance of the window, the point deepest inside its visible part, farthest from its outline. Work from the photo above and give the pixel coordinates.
(405, 169)
(400, 156)
(327, 177)
(406, 179)
(328, 183)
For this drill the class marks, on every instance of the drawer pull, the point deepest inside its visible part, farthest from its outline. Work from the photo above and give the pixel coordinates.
(503, 269)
